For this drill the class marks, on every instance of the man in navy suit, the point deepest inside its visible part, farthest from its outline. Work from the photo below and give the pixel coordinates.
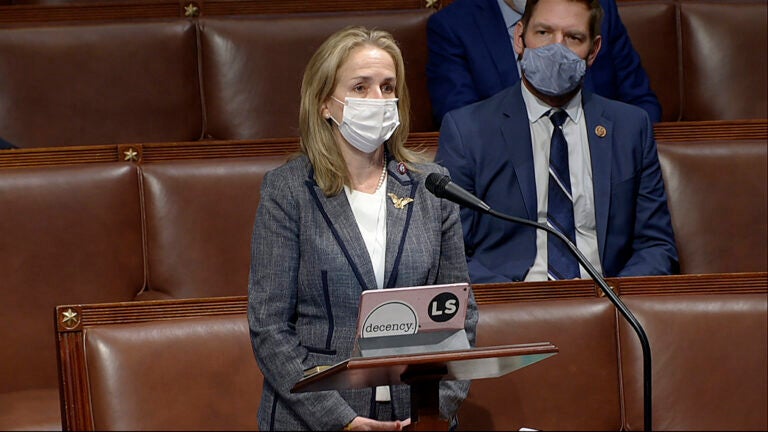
(471, 57)
(498, 149)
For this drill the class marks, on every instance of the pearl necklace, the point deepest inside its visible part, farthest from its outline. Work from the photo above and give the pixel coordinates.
(383, 172)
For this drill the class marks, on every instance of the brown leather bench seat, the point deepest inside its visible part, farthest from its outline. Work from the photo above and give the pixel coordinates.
(112, 232)
(167, 371)
(717, 193)
(199, 215)
(67, 84)
(237, 76)
(707, 333)
(709, 352)
(178, 79)
(252, 67)
(68, 235)
(706, 59)
(544, 396)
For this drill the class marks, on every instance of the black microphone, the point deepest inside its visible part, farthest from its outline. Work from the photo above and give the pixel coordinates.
(442, 187)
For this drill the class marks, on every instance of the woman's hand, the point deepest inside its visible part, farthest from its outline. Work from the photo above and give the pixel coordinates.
(366, 424)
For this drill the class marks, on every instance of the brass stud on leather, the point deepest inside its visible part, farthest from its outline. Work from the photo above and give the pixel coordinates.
(431, 3)
(600, 292)
(131, 155)
(70, 319)
(191, 10)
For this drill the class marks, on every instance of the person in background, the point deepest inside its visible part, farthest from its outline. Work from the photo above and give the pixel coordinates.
(350, 213)
(549, 151)
(5, 145)
(471, 57)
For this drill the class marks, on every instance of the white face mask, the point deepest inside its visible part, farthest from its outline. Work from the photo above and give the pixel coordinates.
(367, 123)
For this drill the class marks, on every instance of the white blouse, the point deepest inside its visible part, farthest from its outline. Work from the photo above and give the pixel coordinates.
(370, 212)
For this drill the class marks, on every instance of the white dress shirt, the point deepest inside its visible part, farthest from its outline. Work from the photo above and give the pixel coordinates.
(580, 167)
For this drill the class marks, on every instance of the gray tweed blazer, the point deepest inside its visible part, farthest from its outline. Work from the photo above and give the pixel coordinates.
(309, 265)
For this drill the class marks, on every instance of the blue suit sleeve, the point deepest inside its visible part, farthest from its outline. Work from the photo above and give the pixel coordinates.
(454, 155)
(632, 84)
(654, 247)
(448, 72)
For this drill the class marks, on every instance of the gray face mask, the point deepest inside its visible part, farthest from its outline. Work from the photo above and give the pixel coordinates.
(553, 69)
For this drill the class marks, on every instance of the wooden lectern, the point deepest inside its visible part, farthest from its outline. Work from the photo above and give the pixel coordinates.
(424, 371)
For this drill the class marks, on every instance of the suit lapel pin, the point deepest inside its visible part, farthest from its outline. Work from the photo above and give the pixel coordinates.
(601, 131)
(399, 202)
(401, 168)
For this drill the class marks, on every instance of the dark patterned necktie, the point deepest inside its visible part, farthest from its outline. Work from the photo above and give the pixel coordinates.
(561, 262)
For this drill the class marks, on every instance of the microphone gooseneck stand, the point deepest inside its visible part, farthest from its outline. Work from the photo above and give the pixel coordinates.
(647, 399)
(442, 187)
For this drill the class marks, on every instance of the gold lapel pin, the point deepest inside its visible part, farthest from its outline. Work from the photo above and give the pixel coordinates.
(601, 131)
(399, 202)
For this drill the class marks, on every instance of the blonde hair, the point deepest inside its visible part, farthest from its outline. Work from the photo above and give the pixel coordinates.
(319, 83)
